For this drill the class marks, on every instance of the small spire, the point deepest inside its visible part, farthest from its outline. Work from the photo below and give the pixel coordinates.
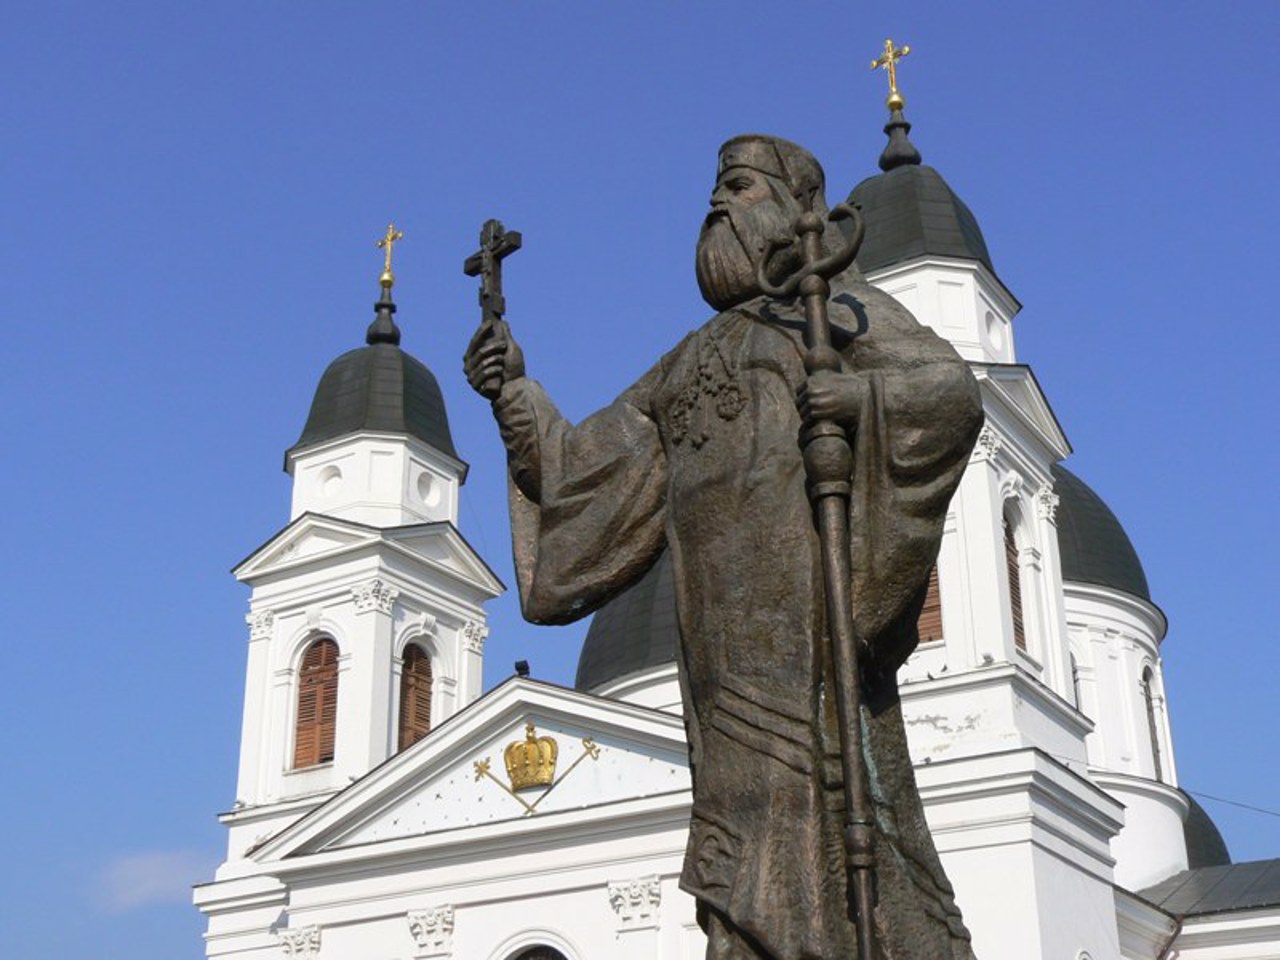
(384, 329)
(900, 151)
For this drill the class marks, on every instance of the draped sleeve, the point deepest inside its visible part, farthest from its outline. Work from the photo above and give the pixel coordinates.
(587, 501)
(918, 425)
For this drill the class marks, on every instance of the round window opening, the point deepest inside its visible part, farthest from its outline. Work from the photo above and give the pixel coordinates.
(539, 953)
(330, 481)
(428, 489)
(995, 331)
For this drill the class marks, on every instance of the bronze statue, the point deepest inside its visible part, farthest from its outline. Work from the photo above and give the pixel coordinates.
(706, 456)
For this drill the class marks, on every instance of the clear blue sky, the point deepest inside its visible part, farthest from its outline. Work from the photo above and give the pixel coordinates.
(190, 195)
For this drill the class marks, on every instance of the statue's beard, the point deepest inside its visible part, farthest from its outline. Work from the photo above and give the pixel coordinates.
(730, 246)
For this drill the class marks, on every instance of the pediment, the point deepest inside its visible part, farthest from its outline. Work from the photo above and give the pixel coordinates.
(1011, 392)
(609, 754)
(308, 538)
(442, 546)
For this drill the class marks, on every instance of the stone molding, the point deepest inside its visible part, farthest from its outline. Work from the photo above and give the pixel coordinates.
(432, 931)
(636, 902)
(1047, 503)
(988, 445)
(473, 636)
(302, 942)
(374, 595)
(261, 624)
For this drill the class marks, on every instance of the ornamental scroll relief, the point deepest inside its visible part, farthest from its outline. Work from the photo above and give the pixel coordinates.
(988, 445)
(303, 942)
(432, 931)
(474, 634)
(636, 902)
(261, 624)
(374, 595)
(1047, 503)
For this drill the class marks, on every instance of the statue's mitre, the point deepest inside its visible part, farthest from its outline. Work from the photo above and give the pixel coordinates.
(789, 162)
(531, 762)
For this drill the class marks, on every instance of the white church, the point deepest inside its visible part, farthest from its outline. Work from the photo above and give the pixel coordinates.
(388, 808)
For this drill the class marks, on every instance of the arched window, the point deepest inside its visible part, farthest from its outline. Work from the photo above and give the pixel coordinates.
(317, 720)
(415, 696)
(1148, 695)
(540, 953)
(1015, 584)
(929, 624)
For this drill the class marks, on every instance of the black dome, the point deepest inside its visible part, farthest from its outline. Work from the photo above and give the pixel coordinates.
(911, 212)
(379, 388)
(638, 630)
(1094, 547)
(635, 631)
(1205, 846)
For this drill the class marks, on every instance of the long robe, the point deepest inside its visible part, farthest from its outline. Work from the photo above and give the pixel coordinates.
(701, 456)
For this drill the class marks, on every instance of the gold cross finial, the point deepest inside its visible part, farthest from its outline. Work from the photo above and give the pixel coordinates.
(386, 243)
(889, 61)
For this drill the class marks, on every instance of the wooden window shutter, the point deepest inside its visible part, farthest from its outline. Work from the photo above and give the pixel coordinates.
(316, 727)
(1015, 585)
(415, 696)
(929, 624)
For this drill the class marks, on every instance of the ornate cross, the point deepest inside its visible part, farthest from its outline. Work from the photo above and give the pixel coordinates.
(387, 243)
(496, 243)
(889, 61)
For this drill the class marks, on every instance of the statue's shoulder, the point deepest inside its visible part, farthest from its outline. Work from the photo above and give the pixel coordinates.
(886, 331)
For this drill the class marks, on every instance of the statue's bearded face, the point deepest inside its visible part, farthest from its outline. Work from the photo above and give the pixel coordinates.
(748, 212)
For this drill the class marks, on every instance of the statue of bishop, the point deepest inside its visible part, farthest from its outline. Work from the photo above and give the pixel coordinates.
(701, 457)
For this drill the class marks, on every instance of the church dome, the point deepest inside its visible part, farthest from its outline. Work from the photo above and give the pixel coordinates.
(1093, 546)
(378, 388)
(637, 630)
(911, 212)
(634, 632)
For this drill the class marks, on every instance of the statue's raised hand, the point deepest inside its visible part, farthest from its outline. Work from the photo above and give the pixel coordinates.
(493, 358)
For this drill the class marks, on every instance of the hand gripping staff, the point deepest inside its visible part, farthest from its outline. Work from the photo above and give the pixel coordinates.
(828, 464)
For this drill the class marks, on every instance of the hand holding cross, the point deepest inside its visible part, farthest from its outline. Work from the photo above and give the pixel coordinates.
(493, 356)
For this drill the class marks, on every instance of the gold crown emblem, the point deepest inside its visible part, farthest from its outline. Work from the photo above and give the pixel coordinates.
(531, 762)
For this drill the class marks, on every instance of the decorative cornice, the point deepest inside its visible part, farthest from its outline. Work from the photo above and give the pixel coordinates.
(988, 445)
(473, 636)
(261, 624)
(1047, 503)
(432, 931)
(303, 942)
(636, 902)
(374, 595)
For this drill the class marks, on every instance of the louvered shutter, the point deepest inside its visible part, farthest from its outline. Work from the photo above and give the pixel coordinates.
(929, 624)
(315, 730)
(415, 696)
(1015, 586)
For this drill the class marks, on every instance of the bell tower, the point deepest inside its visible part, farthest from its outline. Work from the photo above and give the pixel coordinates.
(366, 619)
(997, 738)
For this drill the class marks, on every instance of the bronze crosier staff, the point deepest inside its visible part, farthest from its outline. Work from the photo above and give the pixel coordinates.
(828, 464)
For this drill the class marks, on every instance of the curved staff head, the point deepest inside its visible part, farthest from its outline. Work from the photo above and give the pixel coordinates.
(825, 267)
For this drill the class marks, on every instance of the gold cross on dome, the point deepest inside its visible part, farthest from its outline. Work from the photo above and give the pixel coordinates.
(889, 61)
(387, 243)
